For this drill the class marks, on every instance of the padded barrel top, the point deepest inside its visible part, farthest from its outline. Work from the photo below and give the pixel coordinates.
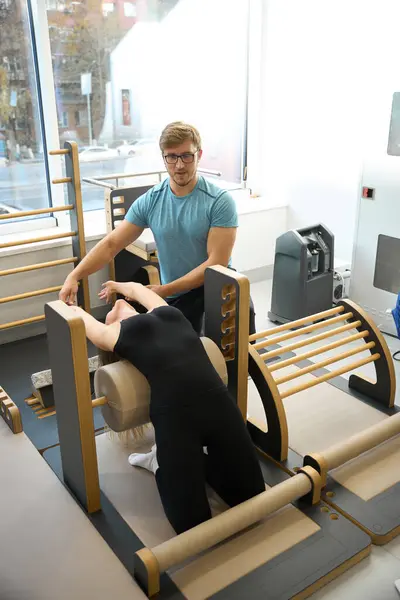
(49, 547)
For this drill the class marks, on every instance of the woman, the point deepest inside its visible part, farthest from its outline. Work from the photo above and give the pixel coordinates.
(190, 407)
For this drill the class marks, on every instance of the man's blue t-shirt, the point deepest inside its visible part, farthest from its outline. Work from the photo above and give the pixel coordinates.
(181, 224)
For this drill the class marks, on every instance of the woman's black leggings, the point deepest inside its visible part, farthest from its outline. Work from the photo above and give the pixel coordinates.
(230, 466)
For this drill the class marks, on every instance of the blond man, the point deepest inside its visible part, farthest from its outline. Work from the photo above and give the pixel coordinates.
(193, 221)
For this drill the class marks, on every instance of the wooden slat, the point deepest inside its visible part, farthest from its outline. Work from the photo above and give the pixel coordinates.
(44, 238)
(324, 363)
(22, 322)
(330, 375)
(58, 152)
(99, 401)
(311, 340)
(62, 180)
(308, 329)
(49, 290)
(299, 357)
(45, 265)
(38, 211)
(297, 323)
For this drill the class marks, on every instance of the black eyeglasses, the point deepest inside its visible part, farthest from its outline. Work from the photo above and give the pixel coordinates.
(186, 157)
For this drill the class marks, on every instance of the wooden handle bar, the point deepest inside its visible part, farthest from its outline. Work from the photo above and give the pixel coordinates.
(22, 322)
(298, 323)
(49, 290)
(297, 332)
(330, 375)
(311, 340)
(209, 533)
(57, 152)
(324, 363)
(45, 265)
(337, 455)
(38, 211)
(62, 180)
(99, 401)
(44, 238)
(291, 361)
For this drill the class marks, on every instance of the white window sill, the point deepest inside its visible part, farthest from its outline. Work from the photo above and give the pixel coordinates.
(95, 225)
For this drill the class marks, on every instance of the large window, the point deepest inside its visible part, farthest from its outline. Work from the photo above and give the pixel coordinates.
(23, 182)
(110, 74)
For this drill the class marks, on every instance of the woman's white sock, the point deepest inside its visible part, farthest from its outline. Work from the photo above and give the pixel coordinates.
(146, 461)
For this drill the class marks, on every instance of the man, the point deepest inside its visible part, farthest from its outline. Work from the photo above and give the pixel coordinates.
(193, 221)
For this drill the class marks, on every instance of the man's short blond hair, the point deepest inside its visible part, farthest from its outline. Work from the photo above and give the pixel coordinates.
(174, 134)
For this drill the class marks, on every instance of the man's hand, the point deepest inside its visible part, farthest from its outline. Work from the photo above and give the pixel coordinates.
(160, 290)
(69, 290)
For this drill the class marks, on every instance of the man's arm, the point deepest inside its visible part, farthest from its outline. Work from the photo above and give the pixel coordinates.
(99, 256)
(220, 243)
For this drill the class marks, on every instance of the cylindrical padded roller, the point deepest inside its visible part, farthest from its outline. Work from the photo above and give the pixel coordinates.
(128, 392)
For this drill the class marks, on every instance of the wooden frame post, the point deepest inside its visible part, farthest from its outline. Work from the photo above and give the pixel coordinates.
(227, 310)
(69, 365)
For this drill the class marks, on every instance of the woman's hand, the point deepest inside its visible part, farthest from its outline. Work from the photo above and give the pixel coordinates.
(108, 289)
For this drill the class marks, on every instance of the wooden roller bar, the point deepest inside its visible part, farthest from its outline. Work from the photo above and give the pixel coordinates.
(22, 322)
(324, 363)
(311, 340)
(49, 290)
(339, 454)
(44, 238)
(99, 401)
(150, 563)
(299, 357)
(58, 152)
(62, 180)
(38, 211)
(45, 265)
(331, 375)
(308, 329)
(298, 323)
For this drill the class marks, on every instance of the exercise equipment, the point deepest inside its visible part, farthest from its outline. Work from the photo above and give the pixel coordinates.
(301, 417)
(124, 505)
(303, 273)
(10, 413)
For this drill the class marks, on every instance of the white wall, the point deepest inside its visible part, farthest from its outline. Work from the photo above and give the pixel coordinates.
(313, 85)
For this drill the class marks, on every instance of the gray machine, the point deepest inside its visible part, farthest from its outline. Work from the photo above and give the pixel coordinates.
(303, 273)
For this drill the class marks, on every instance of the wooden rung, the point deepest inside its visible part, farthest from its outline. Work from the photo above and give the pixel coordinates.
(45, 265)
(299, 357)
(62, 180)
(58, 152)
(22, 322)
(49, 290)
(31, 401)
(44, 238)
(297, 323)
(324, 363)
(311, 340)
(330, 375)
(49, 414)
(99, 401)
(37, 211)
(297, 332)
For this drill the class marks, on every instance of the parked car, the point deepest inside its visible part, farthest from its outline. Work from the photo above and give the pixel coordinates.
(143, 147)
(8, 209)
(94, 153)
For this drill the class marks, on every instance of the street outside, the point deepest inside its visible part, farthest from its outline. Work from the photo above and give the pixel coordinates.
(23, 185)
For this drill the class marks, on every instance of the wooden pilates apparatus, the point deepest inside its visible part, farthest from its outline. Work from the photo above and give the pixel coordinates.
(346, 466)
(10, 412)
(274, 539)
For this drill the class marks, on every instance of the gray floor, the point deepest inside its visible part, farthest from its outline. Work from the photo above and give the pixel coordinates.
(374, 577)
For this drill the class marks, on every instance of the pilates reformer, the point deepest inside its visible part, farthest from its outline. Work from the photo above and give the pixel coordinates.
(75, 209)
(282, 544)
(348, 430)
